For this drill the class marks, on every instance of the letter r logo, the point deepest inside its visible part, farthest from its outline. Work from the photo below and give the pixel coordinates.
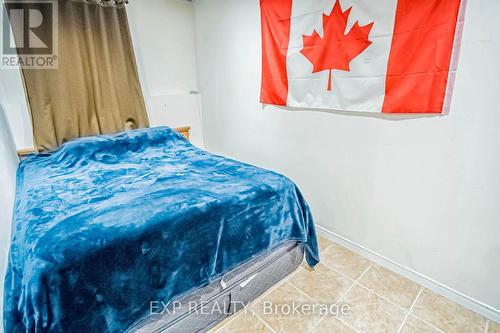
(28, 27)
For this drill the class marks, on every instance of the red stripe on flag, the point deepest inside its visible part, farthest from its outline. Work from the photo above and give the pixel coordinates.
(275, 25)
(419, 60)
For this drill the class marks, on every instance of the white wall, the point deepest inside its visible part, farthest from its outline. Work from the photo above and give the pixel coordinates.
(8, 165)
(163, 37)
(13, 101)
(422, 192)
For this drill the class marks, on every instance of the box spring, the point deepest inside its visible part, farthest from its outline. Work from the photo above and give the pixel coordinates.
(204, 308)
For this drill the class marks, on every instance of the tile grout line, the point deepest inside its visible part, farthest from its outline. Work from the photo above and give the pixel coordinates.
(300, 269)
(357, 282)
(344, 293)
(353, 284)
(425, 321)
(349, 289)
(399, 306)
(344, 276)
(476, 306)
(336, 271)
(246, 310)
(303, 293)
(324, 316)
(387, 300)
(235, 315)
(348, 325)
(326, 248)
(300, 291)
(258, 299)
(337, 318)
(420, 318)
(339, 298)
(269, 327)
(383, 297)
(409, 311)
(282, 282)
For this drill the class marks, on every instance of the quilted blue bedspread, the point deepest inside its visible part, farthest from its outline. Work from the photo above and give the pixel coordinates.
(104, 225)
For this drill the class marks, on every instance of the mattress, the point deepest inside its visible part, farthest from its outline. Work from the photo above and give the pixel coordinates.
(105, 224)
(204, 308)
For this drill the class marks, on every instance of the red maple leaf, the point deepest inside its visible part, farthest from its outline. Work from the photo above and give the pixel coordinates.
(336, 49)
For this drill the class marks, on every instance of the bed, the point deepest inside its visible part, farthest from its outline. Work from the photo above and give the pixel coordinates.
(107, 226)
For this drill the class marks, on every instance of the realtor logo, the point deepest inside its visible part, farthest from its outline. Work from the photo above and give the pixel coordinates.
(29, 34)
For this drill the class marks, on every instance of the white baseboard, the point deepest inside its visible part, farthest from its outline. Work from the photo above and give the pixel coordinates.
(439, 288)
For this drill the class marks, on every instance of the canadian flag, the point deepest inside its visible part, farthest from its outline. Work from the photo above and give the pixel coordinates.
(389, 56)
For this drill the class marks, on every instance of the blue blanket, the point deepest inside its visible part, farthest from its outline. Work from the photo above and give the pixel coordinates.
(104, 225)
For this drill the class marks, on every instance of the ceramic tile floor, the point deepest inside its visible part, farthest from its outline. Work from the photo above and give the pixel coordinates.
(378, 300)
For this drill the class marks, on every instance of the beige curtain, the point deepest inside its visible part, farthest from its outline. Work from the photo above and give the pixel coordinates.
(96, 88)
(106, 3)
